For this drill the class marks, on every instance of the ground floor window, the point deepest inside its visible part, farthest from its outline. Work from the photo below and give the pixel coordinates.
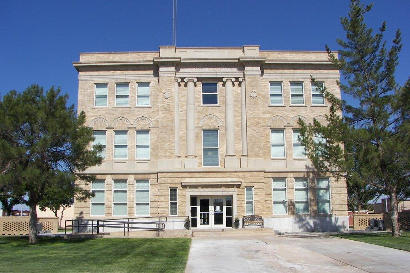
(142, 197)
(173, 201)
(280, 203)
(323, 195)
(249, 200)
(301, 196)
(98, 201)
(119, 198)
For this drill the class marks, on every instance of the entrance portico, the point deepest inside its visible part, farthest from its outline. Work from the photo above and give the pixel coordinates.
(211, 201)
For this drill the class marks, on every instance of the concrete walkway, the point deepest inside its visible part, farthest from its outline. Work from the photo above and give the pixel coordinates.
(263, 253)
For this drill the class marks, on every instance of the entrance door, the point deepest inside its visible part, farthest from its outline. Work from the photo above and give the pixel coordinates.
(218, 205)
(214, 211)
(204, 212)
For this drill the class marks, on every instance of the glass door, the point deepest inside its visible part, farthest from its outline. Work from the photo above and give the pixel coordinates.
(204, 212)
(218, 212)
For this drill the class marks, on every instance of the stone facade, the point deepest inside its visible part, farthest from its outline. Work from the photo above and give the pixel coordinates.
(176, 118)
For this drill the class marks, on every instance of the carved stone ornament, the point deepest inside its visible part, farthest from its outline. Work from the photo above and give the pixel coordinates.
(166, 94)
(253, 94)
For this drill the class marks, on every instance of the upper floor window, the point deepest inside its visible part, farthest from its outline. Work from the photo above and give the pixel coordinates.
(143, 94)
(296, 93)
(317, 95)
(298, 148)
(209, 93)
(323, 195)
(210, 144)
(122, 93)
(101, 94)
(275, 93)
(100, 138)
(142, 145)
(277, 141)
(121, 145)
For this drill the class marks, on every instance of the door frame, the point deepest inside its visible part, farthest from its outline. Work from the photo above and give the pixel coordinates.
(211, 211)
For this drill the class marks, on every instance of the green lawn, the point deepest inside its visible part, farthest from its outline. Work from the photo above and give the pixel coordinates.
(381, 239)
(94, 255)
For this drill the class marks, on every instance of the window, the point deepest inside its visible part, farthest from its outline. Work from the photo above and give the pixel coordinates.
(142, 197)
(249, 201)
(100, 139)
(119, 198)
(143, 94)
(296, 93)
(142, 145)
(209, 93)
(323, 195)
(122, 92)
(277, 142)
(301, 196)
(173, 201)
(98, 201)
(280, 203)
(317, 95)
(210, 144)
(101, 93)
(298, 148)
(120, 145)
(275, 93)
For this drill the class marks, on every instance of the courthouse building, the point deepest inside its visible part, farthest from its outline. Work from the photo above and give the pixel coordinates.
(210, 134)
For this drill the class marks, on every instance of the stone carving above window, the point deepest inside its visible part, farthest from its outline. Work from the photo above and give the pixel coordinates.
(99, 123)
(295, 120)
(211, 121)
(120, 123)
(278, 122)
(142, 122)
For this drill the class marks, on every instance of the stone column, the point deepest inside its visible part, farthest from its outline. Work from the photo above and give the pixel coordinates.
(229, 120)
(243, 118)
(190, 117)
(176, 113)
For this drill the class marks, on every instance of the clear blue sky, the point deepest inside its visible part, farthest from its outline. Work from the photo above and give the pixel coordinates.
(40, 39)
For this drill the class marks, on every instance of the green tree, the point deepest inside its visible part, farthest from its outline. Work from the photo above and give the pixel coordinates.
(44, 149)
(369, 146)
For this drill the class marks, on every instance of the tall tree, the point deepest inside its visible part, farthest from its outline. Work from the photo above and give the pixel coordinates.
(370, 144)
(44, 148)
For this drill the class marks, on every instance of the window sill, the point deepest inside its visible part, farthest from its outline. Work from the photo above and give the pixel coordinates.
(318, 105)
(298, 105)
(210, 105)
(120, 160)
(143, 106)
(278, 158)
(279, 105)
(121, 106)
(142, 160)
(300, 158)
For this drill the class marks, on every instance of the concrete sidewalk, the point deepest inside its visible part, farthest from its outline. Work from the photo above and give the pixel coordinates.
(282, 254)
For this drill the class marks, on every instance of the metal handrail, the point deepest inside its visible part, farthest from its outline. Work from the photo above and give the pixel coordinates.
(122, 223)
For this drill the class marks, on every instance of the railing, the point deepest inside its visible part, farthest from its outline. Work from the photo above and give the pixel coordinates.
(126, 224)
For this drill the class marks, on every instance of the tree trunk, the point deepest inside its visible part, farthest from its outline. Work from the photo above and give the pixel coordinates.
(32, 234)
(394, 214)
